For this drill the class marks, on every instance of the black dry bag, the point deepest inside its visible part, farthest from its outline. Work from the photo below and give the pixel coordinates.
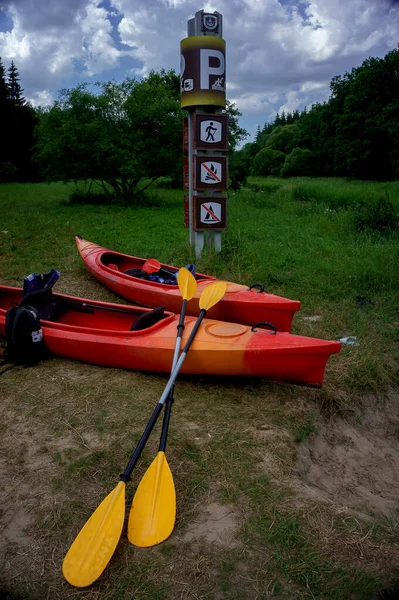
(24, 336)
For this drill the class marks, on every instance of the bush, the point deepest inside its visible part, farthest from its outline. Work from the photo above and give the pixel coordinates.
(100, 198)
(268, 162)
(283, 138)
(238, 170)
(376, 213)
(303, 193)
(8, 172)
(298, 163)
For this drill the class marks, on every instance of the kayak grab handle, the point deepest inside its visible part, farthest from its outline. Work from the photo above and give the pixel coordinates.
(265, 324)
(258, 285)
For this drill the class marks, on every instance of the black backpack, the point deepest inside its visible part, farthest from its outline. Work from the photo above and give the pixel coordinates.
(24, 336)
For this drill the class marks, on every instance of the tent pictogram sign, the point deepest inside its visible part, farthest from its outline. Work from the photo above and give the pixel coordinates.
(210, 212)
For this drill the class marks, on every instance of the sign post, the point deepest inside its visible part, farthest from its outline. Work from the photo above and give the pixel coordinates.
(205, 131)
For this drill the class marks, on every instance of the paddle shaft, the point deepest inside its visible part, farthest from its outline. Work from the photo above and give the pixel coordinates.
(125, 476)
(168, 406)
(183, 355)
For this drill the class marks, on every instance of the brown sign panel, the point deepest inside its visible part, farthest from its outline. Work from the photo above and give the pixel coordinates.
(210, 212)
(185, 173)
(210, 173)
(186, 211)
(185, 135)
(211, 132)
(203, 71)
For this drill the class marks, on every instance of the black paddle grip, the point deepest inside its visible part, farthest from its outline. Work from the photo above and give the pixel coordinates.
(125, 476)
(166, 419)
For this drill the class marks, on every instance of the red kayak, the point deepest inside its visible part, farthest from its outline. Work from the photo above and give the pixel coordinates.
(116, 335)
(240, 304)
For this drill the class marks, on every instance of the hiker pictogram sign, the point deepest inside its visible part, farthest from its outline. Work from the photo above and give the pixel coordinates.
(210, 172)
(209, 212)
(211, 132)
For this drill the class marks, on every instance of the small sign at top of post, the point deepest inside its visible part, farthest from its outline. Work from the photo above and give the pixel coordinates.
(203, 95)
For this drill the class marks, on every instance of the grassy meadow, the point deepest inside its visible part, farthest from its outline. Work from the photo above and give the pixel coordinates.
(69, 428)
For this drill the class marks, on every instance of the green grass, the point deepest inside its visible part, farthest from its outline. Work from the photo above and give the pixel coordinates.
(303, 250)
(300, 244)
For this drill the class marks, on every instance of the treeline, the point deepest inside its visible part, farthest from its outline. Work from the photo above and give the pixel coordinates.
(354, 134)
(131, 131)
(18, 121)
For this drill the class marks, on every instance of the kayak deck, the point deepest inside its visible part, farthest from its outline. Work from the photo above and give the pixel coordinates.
(121, 336)
(240, 304)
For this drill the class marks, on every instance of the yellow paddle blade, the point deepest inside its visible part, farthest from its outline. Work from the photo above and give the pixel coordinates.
(212, 294)
(187, 283)
(153, 513)
(95, 544)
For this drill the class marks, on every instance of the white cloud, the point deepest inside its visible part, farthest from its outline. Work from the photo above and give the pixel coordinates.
(292, 102)
(41, 98)
(280, 54)
(48, 54)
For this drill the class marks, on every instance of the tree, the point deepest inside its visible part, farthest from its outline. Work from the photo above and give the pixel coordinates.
(3, 87)
(355, 133)
(283, 138)
(14, 89)
(366, 117)
(268, 162)
(126, 133)
(239, 163)
(298, 163)
(4, 121)
(22, 124)
(237, 134)
(17, 123)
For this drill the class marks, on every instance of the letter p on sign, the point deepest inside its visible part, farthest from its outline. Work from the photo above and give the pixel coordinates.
(206, 70)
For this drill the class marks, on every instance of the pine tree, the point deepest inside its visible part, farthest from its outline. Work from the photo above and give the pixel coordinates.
(14, 89)
(17, 122)
(3, 86)
(4, 125)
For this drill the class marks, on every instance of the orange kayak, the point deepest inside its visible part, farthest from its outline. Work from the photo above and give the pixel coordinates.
(116, 335)
(239, 305)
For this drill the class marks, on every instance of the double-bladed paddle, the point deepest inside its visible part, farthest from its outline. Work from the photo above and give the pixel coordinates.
(153, 511)
(95, 544)
(152, 265)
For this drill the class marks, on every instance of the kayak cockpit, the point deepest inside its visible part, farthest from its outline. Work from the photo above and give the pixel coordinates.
(95, 317)
(119, 262)
(135, 267)
(60, 310)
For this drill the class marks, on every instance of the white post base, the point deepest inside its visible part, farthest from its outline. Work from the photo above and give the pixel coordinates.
(199, 242)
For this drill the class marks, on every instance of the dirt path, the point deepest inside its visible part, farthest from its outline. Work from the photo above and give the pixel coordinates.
(67, 428)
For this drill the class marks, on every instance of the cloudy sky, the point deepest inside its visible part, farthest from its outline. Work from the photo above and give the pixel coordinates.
(281, 54)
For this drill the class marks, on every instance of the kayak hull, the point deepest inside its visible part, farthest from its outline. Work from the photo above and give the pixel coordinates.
(239, 305)
(101, 335)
